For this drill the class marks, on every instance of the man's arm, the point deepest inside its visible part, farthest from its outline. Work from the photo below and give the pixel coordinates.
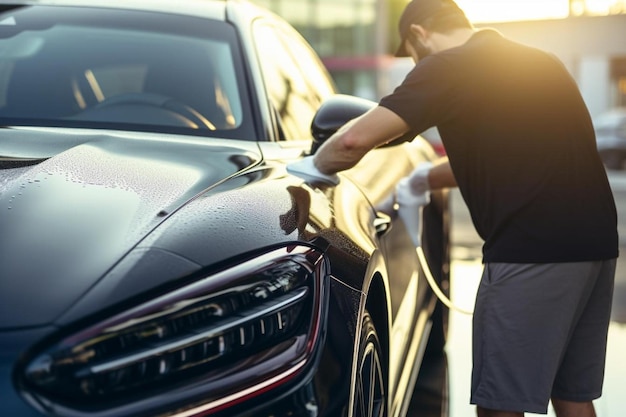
(351, 142)
(378, 126)
(440, 175)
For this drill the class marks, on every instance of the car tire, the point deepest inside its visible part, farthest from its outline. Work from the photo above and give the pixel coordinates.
(370, 397)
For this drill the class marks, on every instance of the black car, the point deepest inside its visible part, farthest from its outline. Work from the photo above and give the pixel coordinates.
(157, 259)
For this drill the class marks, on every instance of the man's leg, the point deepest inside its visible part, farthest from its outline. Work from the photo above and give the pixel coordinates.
(581, 374)
(564, 408)
(484, 412)
(529, 328)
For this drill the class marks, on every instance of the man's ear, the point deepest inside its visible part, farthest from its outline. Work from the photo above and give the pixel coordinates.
(419, 31)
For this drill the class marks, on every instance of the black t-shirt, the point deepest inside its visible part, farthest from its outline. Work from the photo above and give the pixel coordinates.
(522, 148)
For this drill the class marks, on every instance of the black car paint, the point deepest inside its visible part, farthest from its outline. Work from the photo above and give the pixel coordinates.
(210, 208)
(95, 201)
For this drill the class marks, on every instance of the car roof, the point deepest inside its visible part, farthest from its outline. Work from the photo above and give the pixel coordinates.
(213, 9)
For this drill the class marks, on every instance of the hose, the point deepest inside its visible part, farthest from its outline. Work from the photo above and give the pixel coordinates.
(410, 210)
(435, 287)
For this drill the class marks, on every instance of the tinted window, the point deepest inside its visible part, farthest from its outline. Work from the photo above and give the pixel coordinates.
(295, 81)
(69, 66)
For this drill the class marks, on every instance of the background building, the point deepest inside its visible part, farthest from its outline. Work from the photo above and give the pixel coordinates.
(353, 37)
(356, 40)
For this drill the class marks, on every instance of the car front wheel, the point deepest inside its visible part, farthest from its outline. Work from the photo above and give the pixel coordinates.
(371, 394)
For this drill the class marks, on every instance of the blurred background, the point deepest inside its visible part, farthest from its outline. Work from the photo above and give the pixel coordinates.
(357, 38)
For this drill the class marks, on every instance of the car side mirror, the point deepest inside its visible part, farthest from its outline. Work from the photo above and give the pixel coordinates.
(334, 113)
(337, 111)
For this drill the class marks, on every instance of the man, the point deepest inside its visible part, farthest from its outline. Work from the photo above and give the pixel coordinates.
(521, 148)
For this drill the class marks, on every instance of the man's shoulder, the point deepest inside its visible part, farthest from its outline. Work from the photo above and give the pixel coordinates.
(489, 37)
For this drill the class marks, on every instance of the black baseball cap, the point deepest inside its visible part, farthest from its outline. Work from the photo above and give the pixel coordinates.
(417, 11)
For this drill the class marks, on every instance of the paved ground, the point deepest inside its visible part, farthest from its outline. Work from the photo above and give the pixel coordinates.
(467, 274)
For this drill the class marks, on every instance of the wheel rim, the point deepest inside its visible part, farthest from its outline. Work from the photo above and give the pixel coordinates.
(370, 394)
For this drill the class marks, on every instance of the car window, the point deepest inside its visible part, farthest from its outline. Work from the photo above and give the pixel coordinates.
(295, 81)
(119, 68)
(314, 73)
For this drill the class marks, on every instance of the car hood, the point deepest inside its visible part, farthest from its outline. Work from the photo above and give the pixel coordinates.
(73, 204)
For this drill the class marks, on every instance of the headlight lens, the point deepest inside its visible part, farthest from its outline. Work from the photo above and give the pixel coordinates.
(264, 310)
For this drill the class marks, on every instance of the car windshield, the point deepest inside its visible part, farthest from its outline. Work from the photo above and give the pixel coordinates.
(121, 69)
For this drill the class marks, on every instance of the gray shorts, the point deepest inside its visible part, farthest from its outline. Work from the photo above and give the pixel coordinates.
(539, 331)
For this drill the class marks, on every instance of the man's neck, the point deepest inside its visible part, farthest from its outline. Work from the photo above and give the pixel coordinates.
(457, 37)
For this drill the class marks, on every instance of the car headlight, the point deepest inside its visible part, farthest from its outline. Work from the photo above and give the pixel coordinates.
(217, 334)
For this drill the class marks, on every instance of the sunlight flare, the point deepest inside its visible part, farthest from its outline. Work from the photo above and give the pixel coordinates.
(482, 11)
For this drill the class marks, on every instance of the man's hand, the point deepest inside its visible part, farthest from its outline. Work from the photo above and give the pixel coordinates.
(414, 186)
(410, 195)
(409, 207)
(418, 179)
(306, 169)
(413, 193)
